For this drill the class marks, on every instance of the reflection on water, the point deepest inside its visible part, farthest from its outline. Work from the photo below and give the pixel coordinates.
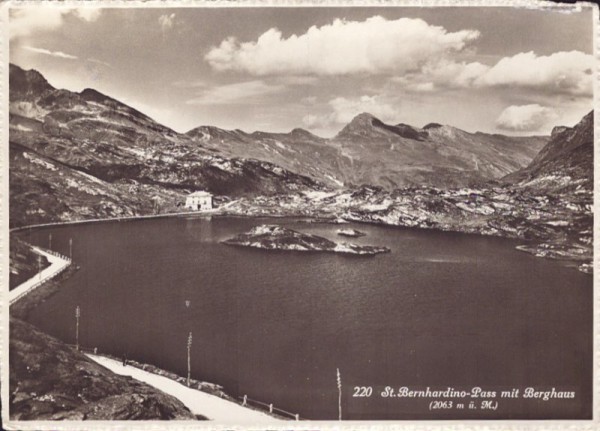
(440, 310)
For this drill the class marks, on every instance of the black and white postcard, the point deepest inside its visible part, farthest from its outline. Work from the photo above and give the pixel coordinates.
(296, 215)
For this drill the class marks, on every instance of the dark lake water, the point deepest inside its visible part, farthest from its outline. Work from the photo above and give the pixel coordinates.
(441, 310)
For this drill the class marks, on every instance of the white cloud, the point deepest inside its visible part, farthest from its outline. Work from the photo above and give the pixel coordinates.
(525, 118)
(424, 87)
(313, 121)
(376, 45)
(448, 73)
(558, 73)
(343, 110)
(28, 20)
(346, 109)
(237, 93)
(562, 72)
(166, 21)
(58, 54)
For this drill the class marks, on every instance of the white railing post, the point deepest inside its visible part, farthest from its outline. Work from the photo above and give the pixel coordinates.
(77, 315)
(339, 386)
(189, 370)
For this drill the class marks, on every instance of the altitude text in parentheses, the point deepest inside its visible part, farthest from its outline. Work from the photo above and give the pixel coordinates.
(440, 405)
(489, 405)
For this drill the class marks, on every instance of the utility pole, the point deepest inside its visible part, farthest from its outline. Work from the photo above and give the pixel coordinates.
(71, 248)
(50, 241)
(77, 314)
(339, 385)
(189, 346)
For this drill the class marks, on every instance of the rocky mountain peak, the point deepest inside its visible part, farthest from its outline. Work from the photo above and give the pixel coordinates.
(362, 124)
(587, 121)
(366, 125)
(26, 82)
(301, 132)
(443, 130)
(212, 132)
(92, 95)
(568, 154)
(363, 116)
(558, 129)
(363, 119)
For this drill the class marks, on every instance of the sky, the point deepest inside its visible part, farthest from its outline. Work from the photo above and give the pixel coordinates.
(490, 69)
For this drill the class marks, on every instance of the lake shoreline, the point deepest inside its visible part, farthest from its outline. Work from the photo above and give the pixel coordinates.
(529, 246)
(26, 302)
(58, 263)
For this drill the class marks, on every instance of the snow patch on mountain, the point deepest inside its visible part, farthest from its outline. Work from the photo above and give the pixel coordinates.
(138, 152)
(552, 178)
(28, 109)
(21, 128)
(92, 178)
(72, 183)
(335, 180)
(40, 162)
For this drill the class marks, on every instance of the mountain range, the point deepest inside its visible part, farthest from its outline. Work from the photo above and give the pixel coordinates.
(112, 141)
(76, 155)
(368, 151)
(86, 155)
(547, 204)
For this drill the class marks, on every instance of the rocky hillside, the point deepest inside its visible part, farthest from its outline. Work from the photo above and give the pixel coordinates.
(393, 156)
(565, 164)
(52, 381)
(298, 151)
(87, 155)
(84, 155)
(548, 204)
(368, 151)
(551, 226)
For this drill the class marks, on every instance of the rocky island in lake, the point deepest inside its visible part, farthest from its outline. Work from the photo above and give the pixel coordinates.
(274, 237)
(350, 232)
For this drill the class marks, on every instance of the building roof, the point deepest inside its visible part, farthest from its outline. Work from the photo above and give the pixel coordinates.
(200, 193)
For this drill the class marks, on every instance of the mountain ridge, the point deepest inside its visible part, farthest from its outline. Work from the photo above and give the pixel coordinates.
(369, 151)
(87, 155)
(565, 163)
(101, 137)
(448, 155)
